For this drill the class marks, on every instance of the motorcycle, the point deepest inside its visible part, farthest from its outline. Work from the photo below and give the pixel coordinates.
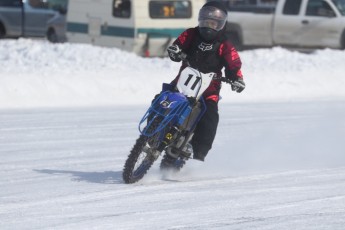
(168, 125)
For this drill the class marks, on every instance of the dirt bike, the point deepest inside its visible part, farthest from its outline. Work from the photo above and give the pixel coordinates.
(168, 125)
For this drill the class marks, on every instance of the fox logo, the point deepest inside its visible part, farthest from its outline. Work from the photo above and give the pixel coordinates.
(204, 46)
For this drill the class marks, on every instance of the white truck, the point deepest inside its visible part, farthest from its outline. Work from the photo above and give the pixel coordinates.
(289, 23)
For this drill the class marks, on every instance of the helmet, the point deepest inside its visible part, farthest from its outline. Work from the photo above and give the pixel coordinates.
(212, 19)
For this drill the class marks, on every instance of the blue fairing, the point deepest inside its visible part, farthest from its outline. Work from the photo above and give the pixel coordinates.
(167, 107)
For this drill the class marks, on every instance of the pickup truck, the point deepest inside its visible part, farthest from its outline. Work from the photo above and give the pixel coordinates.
(25, 18)
(289, 23)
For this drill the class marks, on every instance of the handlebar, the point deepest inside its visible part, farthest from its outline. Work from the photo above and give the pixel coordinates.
(226, 80)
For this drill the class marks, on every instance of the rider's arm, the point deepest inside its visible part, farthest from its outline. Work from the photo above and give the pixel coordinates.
(184, 40)
(232, 64)
(181, 44)
(232, 61)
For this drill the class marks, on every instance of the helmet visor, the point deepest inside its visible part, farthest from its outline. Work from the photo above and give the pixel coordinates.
(212, 17)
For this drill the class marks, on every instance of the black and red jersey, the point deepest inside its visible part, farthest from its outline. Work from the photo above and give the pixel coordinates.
(209, 57)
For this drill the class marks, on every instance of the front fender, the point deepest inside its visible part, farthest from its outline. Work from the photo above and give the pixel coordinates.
(171, 100)
(167, 107)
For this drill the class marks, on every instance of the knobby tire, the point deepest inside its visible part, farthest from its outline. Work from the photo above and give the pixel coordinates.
(169, 163)
(129, 170)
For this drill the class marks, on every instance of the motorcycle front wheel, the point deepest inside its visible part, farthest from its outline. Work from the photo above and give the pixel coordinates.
(141, 157)
(138, 162)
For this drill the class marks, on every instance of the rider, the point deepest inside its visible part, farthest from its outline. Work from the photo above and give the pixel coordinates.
(208, 50)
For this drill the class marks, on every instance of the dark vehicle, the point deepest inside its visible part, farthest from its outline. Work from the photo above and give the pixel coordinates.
(27, 18)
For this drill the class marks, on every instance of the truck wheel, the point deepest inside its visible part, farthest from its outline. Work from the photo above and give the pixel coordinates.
(343, 40)
(236, 41)
(52, 36)
(2, 30)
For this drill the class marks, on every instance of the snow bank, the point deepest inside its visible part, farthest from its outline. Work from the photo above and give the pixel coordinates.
(35, 73)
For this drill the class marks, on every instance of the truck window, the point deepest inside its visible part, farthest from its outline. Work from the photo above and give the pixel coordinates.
(57, 4)
(38, 4)
(241, 2)
(10, 3)
(249, 2)
(268, 2)
(170, 9)
(319, 8)
(122, 8)
(292, 7)
(340, 4)
(259, 6)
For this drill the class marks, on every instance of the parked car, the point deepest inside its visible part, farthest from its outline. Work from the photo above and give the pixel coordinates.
(291, 23)
(26, 18)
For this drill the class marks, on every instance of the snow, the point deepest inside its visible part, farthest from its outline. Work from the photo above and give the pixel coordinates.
(40, 74)
(69, 116)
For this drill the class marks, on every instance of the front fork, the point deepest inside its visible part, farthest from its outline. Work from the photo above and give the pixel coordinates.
(168, 138)
(184, 121)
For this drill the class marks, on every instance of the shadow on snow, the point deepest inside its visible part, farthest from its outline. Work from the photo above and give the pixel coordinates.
(107, 177)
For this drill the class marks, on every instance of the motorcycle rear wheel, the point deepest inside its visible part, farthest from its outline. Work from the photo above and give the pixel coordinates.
(172, 164)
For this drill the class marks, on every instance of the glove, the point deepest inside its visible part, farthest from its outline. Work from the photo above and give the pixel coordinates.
(174, 53)
(238, 85)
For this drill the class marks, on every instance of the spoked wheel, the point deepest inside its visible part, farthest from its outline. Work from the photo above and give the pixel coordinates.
(138, 162)
(141, 158)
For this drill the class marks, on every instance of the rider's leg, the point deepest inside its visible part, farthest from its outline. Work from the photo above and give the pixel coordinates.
(205, 131)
